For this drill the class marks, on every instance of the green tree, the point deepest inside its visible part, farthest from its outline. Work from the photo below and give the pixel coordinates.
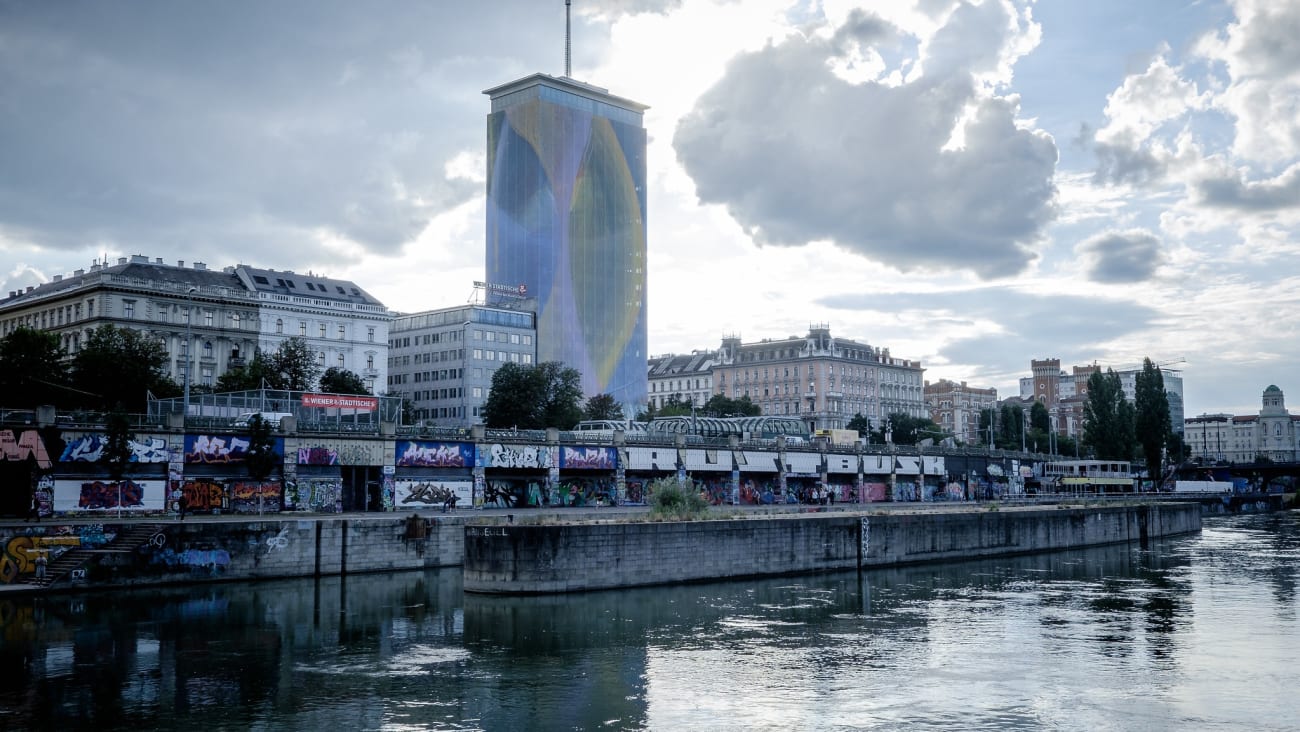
(859, 424)
(341, 381)
(534, 397)
(1108, 427)
(719, 405)
(904, 429)
(1152, 424)
(255, 374)
(1039, 418)
(987, 426)
(1011, 423)
(676, 406)
(261, 455)
(33, 369)
(117, 445)
(603, 406)
(293, 367)
(119, 368)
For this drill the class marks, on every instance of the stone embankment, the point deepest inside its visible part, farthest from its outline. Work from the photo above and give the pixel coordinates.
(578, 556)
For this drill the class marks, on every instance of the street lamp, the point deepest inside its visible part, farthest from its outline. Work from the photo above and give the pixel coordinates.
(189, 320)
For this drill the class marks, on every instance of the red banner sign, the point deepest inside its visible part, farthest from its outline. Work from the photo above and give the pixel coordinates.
(341, 401)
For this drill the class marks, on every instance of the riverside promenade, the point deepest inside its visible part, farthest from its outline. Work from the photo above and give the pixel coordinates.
(102, 552)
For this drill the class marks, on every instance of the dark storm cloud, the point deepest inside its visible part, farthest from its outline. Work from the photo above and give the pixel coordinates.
(1072, 328)
(1282, 192)
(796, 154)
(246, 126)
(1120, 257)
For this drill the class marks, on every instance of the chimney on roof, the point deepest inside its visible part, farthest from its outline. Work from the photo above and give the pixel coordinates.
(139, 259)
(180, 263)
(79, 272)
(94, 266)
(157, 260)
(30, 288)
(200, 265)
(58, 278)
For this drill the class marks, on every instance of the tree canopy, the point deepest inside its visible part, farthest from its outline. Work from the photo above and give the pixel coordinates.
(602, 406)
(33, 369)
(904, 429)
(293, 367)
(118, 368)
(1152, 423)
(1108, 418)
(534, 397)
(719, 405)
(261, 456)
(336, 380)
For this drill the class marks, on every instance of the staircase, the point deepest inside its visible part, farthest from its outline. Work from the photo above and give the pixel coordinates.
(128, 540)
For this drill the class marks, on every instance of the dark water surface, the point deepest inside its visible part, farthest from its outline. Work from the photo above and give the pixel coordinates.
(1197, 633)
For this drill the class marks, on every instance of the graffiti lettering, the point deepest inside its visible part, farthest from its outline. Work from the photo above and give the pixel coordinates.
(279, 541)
(588, 458)
(28, 444)
(519, 456)
(434, 454)
(101, 495)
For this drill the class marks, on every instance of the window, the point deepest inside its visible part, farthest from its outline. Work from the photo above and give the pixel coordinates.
(491, 335)
(302, 327)
(320, 357)
(128, 311)
(370, 360)
(342, 332)
(477, 392)
(234, 319)
(279, 326)
(478, 353)
(370, 334)
(528, 358)
(514, 338)
(208, 317)
(478, 335)
(207, 349)
(322, 330)
(340, 360)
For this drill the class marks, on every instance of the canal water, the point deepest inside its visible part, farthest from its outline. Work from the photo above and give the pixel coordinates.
(1197, 633)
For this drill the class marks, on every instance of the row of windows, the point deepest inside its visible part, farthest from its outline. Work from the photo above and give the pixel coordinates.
(679, 385)
(456, 354)
(427, 339)
(512, 356)
(323, 329)
(435, 394)
(442, 375)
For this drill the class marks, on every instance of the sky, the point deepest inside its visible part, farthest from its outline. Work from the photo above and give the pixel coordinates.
(972, 185)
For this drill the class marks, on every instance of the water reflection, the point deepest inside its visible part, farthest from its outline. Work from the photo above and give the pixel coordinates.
(1115, 637)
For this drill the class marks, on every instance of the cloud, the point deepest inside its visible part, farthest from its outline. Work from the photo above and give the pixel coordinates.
(1262, 59)
(247, 129)
(1235, 192)
(797, 154)
(1121, 257)
(1134, 112)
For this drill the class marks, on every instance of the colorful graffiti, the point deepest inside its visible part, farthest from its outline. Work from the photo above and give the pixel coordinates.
(515, 456)
(222, 448)
(584, 492)
(433, 493)
(412, 453)
(98, 494)
(203, 496)
(90, 448)
(27, 444)
(317, 456)
(319, 496)
(210, 561)
(20, 551)
(250, 497)
(635, 492)
(876, 491)
(587, 458)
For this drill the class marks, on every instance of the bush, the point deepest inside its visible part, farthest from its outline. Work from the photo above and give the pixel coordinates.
(677, 501)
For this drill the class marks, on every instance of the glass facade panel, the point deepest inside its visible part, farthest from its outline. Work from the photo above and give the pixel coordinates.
(566, 218)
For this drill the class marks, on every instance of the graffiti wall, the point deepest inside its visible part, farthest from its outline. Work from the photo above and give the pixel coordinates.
(221, 449)
(424, 454)
(89, 448)
(340, 452)
(876, 491)
(515, 456)
(137, 496)
(319, 495)
(583, 492)
(253, 497)
(516, 492)
(317, 456)
(25, 444)
(587, 458)
(20, 550)
(433, 493)
(203, 496)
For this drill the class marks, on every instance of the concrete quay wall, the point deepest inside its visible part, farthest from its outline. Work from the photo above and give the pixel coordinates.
(86, 555)
(569, 557)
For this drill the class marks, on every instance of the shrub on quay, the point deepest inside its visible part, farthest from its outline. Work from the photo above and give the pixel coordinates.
(673, 500)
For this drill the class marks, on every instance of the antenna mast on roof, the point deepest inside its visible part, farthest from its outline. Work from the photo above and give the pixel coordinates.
(568, 57)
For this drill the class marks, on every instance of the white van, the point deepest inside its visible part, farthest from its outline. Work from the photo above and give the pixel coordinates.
(272, 417)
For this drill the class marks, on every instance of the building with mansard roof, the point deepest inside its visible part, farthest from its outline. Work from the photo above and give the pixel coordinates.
(688, 377)
(220, 318)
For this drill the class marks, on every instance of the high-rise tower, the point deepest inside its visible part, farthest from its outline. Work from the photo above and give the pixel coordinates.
(566, 219)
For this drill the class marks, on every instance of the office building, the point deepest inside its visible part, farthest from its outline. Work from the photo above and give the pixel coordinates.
(566, 225)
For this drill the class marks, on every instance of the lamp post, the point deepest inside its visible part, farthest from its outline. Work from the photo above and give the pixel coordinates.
(189, 320)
